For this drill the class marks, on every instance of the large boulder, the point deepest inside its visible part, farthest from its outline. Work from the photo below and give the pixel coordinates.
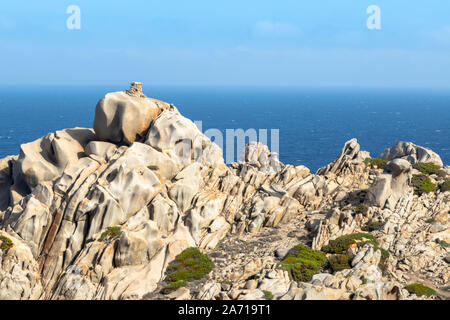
(45, 159)
(391, 185)
(125, 116)
(181, 140)
(411, 152)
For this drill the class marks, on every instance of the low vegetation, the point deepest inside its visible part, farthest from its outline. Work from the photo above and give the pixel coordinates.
(189, 265)
(5, 243)
(422, 184)
(375, 163)
(445, 186)
(303, 262)
(111, 234)
(268, 295)
(420, 290)
(373, 226)
(339, 262)
(427, 167)
(362, 208)
(444, 244)
(341, 244)
(430, 220)
(153, 167)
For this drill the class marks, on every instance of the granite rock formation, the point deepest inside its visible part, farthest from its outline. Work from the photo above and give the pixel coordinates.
(100, 214)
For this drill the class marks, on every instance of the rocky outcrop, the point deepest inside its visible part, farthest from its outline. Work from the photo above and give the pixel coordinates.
(391, 185)
(350, 156)
(100, 214)
(411, 152)
(125, 116)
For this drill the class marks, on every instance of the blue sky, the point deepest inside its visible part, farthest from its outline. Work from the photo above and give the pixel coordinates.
(240, 43)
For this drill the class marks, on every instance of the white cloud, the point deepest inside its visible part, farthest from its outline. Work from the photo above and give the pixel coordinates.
(268, 27)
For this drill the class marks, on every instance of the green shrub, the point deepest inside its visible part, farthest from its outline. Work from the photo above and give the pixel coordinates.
(441, 174)
(189, 265)
(430, 220)
(111, 234)
(339, 262)
(303, 262)
(427, 167)
(268, 295)
(362, 208)
(420, 290)
(341, 244)
(364, 280)
(422, 184)
(375, 162)
(6, 243)
(444, 244)
(445, 186)
(153, 167)
(373, 226)
(383, 261)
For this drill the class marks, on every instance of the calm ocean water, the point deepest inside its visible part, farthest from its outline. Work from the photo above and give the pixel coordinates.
(314, 123)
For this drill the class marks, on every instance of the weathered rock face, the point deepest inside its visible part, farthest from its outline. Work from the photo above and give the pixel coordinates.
(46, 158)
(19, 272)
(391, 185)
(6, 180)
(160, 197)
(93, 217)
(125, 116)
(258, 155)
(349, 156)
(411, 152)
(180, 140)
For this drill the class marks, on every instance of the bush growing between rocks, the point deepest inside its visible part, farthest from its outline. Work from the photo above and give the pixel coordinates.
(152, 167)
(420, 290)
(111, 234)
(362, 208)
(373, 226)
(268, 295)
(5, 243)
(422, 184)
(444, 244)
(189, 265)
(341, 244)
(427, 168)
(375, 163)
(445, 186)
(302, 263)
(339, 262)
(430, 220)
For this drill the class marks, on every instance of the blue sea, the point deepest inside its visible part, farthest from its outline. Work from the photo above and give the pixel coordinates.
(313, 123)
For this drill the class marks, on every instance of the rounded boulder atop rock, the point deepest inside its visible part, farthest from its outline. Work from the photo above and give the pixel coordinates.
(125, 116)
